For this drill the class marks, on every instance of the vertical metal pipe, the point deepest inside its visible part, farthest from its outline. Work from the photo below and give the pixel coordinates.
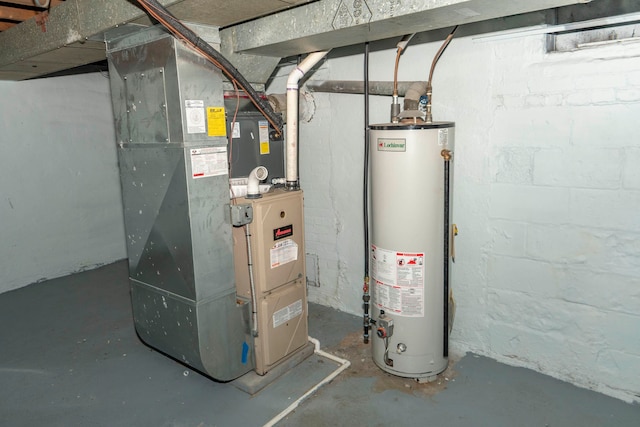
(365, 197)
(366, 160)
(254, 297)
(446, 154)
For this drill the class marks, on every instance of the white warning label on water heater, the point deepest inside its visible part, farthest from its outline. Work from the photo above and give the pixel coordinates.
(443, 137)
(285, 314)
(398, 281)
(283, 252)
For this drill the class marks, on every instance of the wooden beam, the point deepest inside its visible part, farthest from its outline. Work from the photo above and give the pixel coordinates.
(16, 14)
(54, 3)
(4, 26)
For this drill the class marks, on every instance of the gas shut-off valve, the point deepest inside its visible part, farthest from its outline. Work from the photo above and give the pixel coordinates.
(385, 326)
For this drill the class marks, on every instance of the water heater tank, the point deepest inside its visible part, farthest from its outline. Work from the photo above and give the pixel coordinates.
(410, 231)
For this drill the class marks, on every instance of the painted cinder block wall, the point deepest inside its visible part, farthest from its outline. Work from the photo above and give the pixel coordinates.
(60, 207)
(547, 191)
(547, 199)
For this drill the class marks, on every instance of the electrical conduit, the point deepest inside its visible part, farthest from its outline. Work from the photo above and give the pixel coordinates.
(292, 115)
(344, 364)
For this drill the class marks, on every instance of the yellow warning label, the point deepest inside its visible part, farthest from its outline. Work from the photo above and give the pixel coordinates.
(264, 147)
(216, 122)
(263, 128)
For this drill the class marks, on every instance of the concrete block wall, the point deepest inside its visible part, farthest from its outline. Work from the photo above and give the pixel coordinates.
(563, 295)
(547, 195)
(60, 206)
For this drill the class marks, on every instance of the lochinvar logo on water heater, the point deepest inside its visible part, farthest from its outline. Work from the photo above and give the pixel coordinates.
(282, 232)
(392, 144)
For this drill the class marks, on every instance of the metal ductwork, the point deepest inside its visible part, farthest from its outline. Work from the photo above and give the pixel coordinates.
(73, 34)
(172, 150)
(329, 24)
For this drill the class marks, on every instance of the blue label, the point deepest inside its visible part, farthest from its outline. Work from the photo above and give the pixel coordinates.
(245, 352)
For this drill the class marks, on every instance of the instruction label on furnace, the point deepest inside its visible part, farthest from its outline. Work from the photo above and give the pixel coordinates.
(398, 281)
(194, 112)
(216, 122)
(210, 161)
(283, 252)
(285, 314)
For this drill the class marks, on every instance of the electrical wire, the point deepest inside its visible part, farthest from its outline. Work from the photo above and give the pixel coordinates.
(387, 361)
(180, 31)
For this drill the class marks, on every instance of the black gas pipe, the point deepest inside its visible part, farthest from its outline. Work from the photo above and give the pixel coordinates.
(446, 155)
(366, 297)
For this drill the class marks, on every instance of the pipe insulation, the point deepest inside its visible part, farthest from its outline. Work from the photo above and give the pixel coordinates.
(413, 94)
(381, 88)
(306, 105)
(292, 115)
(411, 91)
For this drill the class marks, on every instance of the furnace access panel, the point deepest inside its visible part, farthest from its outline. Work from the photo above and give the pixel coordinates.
(277, 250)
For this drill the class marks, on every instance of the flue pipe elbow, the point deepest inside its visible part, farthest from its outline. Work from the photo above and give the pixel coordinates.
(253, 186)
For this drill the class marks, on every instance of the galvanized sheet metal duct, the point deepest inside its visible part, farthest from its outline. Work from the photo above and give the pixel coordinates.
(179, 236)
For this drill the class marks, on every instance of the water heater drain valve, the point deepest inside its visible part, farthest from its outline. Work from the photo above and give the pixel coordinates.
(385, 326)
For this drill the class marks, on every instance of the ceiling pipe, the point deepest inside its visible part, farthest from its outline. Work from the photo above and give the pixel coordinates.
(357, 87)
(292, 115)
(306, 105)
(411, 91)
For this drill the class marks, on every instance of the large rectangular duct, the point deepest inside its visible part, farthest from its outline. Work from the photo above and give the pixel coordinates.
(170, 126)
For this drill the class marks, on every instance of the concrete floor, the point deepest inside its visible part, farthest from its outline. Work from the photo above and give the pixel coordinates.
(69, 356)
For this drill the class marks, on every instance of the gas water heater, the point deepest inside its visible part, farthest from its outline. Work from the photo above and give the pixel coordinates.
(410, 232)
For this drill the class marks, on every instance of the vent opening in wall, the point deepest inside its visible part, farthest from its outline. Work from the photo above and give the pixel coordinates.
(579, 26)
(593, 24)
(313, 271)
(594, 36)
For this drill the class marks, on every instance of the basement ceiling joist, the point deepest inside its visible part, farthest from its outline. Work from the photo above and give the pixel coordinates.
(334, 23)
(13, 12)
(28, 51)
(65, 41)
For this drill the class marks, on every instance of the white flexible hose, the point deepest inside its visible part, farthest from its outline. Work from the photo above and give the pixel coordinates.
(344, 364)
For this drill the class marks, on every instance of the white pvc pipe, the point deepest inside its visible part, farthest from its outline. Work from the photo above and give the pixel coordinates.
(253, 185)
(344, 364)
(292, 113)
